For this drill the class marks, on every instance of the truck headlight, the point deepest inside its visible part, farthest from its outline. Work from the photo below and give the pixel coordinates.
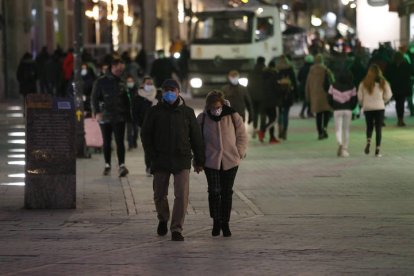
(244, 81)
(196, 82)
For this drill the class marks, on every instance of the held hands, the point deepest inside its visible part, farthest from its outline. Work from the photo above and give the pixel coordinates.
(98, 116)
(198, 169)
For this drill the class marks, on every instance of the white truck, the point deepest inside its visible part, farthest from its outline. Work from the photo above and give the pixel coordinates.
(231, 39)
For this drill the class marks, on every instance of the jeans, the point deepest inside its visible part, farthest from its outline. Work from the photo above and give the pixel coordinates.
(322, 120)
(118, 129)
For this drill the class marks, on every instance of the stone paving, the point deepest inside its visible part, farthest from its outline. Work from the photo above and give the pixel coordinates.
(298, 210)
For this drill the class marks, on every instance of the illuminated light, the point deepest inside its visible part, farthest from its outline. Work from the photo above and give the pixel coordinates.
(13, 184)
(115, 35)
(34, 12)
(181, 13)
(352, 6)
(17, 175)
(245, 19)
(259, 11)
(345, 2)
(196, 83)
(94, 13)
(177, 55)
(19, 126)
(245, 1)
(16, 108)
(18, 163)
(16, 141)
(244, 82)
(17, 134)
(316, 21)
(16, 156)
(285, 7)
(17, 150)
(15, 115)
(95, 1)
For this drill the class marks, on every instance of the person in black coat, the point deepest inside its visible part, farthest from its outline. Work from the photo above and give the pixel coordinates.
(399, 75)
(162, 69)
(302, 77)
(27, 75)
(170, 136)
(110, 106)
(256, 91)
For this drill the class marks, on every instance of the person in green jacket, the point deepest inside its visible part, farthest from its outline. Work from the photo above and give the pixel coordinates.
(171, 136)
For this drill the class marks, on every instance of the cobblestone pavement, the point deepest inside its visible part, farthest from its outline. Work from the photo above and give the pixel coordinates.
(298, 210)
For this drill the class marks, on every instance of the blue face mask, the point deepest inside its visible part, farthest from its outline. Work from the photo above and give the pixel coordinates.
(169, 97)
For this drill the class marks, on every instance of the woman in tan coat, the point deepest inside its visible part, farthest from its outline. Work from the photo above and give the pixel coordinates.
(225, 140)
(317, 85)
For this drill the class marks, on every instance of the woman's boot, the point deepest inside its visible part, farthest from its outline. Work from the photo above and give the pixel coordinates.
(216, 228)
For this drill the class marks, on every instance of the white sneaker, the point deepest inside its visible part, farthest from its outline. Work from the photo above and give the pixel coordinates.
(345, 153)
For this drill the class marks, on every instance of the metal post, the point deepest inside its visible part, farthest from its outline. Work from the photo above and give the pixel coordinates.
(5, 63)
(77, 84)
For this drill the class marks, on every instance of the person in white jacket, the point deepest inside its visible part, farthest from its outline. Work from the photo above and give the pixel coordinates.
(225, 141)
(373, 93)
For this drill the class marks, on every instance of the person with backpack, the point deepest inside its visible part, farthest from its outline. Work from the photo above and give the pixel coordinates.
(225, 140)
(342, 98)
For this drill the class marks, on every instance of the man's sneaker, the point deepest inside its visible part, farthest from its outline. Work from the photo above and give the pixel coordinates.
(273, 140)
(176, 236)
(345, 153)
(377, 153)
(107, 169)
(123, 171)
(162, 229)
(366, 150)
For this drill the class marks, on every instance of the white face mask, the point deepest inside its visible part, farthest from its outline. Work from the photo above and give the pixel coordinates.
(84, 72)
(130, 84)
(217, 112)
(234, 80)
(148, 87)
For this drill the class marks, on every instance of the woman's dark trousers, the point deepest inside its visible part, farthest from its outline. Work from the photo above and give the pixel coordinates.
(220, 192)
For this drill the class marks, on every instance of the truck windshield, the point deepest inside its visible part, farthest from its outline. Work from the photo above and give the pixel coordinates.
(223, 28)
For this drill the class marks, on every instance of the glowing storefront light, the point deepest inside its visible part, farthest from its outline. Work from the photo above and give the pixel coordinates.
(17, 175)
(16, 156)
(387, 25)
(17, 150)
(13, 184)
(112, 11)
(16, 134)
(16, 141)
(18, 163)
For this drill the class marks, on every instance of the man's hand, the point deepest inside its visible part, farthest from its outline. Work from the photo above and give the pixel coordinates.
(98, 116)
(198, 169)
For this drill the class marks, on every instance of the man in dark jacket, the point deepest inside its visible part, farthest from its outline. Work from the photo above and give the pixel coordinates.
(110, 106)
(255, 89)
(169, 134)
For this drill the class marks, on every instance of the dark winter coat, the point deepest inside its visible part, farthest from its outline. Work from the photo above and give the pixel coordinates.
(255, 86)
(239, 98)
(26, 76)
(109, 96)
(399, 77)
(169, 135)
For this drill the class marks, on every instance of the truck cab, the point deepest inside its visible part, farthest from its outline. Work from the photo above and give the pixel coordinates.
(231, 39)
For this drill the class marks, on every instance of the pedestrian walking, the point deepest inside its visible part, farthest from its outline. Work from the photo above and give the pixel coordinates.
(237, 95)
(256, 91)
(270, 100)
(342, 96)
(302, 77)
(26, 75)
(287, 88)
(373, 92)
(162, 69)
(225, 141)
(170, 134)
(145, 99)
(132, 125)
(110, 106)
(316, 89)
(399, 74)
